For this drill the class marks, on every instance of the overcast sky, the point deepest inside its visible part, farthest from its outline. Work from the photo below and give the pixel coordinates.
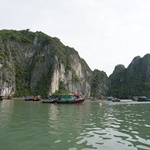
(104, 32)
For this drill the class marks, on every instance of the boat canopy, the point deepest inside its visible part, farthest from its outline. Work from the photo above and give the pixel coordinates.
(67, 97)
(143, 98)
(109, 98)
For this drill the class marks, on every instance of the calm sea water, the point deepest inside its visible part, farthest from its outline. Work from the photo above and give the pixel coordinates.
(92, 125)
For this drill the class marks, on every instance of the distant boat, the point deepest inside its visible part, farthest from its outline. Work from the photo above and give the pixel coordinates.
(109, 98)
(135, 98)
(113, 99)
(32, 98)
(142, 99)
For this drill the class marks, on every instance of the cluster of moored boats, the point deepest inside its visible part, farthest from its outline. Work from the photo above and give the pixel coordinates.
(114, 99)
(135, 98)
(61, 99)
(73, 99)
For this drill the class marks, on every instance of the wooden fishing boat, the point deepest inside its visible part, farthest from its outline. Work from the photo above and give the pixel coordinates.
(69, 99)
(113, 99)
(32, 98)
(140, 98)
(109, 98)
(70, 102)
(143, 99)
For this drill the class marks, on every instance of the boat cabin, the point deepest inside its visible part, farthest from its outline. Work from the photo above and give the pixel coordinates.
(66, 97)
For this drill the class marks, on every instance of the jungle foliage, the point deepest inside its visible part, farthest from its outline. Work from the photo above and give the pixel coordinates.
(131, 81)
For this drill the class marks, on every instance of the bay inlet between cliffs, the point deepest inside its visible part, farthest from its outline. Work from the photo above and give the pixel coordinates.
(92, 125)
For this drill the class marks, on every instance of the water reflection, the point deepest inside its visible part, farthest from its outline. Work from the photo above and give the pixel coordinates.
(6, 111)
(65, 117)
(53, 113)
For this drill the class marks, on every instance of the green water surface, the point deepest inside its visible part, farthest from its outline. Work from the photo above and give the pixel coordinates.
(92, 125)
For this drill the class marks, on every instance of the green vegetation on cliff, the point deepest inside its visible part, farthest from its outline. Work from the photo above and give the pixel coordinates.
(22, 36)
(62, 90)
(135, 80)
(99, 84)
(34, 58)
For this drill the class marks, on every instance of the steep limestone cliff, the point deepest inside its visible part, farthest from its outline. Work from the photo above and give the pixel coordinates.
(99, 84)
(133, 80)
(34, 63)
(7, 71)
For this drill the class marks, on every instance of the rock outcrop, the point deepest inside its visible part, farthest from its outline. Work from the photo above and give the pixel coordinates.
(35, 63)
(133, 80)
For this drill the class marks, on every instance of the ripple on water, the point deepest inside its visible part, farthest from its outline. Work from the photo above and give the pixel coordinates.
(57, 141)
(147, 125)
(107, 138)
(142, 147)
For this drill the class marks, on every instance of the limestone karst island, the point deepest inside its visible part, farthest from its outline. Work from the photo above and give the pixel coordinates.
(33, 63)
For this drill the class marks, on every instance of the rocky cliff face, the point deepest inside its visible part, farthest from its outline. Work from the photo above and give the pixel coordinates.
(34, 63)
(7, 72)
(99, 84)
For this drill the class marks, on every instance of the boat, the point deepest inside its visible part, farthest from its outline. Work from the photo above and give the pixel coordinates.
(109, 98)
(70, 102)
(143, 99)
(32, 98)
(135, 98)
(69, 99)
(113, 99)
